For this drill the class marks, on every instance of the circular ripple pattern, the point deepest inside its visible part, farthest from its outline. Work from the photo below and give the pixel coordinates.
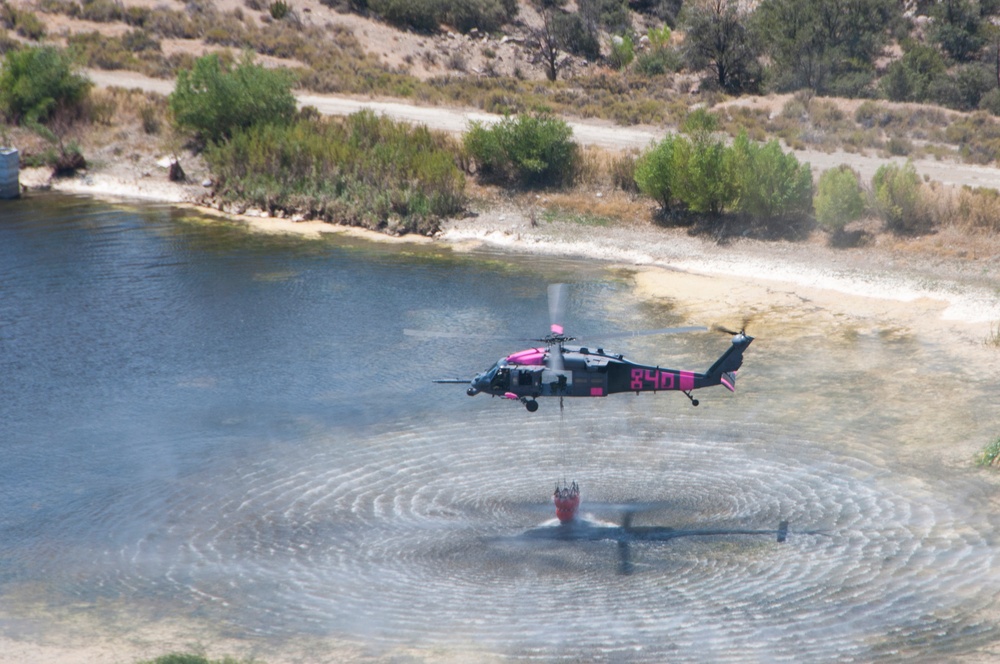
(415, 537)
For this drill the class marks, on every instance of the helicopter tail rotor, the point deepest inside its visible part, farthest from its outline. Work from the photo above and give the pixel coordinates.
(742, 331)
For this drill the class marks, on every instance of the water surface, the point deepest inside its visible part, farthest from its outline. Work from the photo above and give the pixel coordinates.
(201, 423)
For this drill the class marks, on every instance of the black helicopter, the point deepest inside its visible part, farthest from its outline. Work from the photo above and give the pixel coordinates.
(558, 370)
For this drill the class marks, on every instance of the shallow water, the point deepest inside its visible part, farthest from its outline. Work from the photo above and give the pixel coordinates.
(230, 428)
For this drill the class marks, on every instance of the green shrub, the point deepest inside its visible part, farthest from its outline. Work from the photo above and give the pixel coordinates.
(701, 180)
(484, 15)
(101, 11)
(700, 120)
(279, 9)
(188, 658)
(659, 38)
(533, 150)
(990, 456)
(36, 82)
(622, 51)
(103, 52)
(366, 171)
(991, 101)
(769, 183)
(897, 198)
(839, 200)
(138, 41)
(421, 15)
(23, 22)
(658, 61)
(214, 100)
(655, 172)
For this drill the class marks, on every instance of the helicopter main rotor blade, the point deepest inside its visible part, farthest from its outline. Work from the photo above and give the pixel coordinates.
(454, 381)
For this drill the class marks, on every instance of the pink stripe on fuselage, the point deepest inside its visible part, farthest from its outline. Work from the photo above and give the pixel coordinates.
(532, 356)
(687, 380)
(557, 329)
(597, 391)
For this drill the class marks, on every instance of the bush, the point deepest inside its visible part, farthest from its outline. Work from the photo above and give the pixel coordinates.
(655, 172)
(36, 82)
(24, 22)
(979, 208)
(622, 171)
(101, 11)
(701, 180)
(658, 61)
(838, 198)
(484, 15)
(421, 15)
(700, 120)
(190, 658)
(214, 100)
(897, 198)
(527, 150)
(365, 171)
(990, 455)
(768, 183)
(279, 9)
(622, 51)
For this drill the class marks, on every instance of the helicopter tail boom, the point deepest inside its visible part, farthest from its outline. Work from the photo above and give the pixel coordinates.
(729, 362)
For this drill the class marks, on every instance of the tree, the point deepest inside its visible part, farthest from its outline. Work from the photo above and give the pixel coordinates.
(720, 37)
(655, 172)
(527, 150)
(958, 28)
(702, 182)
(548, 44)
(575, 35)
(838, 198)
(897, 197)
(768, 183)
(37, 82)
(910, 78)
(829, 46)
(214, 100)
(622, 51)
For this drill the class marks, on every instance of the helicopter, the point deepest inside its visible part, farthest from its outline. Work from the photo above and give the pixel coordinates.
(555, 369)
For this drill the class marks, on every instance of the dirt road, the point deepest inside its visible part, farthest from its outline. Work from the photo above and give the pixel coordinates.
(597, 133)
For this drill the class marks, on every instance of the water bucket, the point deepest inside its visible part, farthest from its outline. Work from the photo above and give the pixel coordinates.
(9, 166)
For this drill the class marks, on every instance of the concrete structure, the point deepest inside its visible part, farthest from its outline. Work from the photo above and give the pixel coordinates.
(10, 186)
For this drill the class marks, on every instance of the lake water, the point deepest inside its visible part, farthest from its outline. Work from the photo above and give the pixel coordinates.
(206, 425)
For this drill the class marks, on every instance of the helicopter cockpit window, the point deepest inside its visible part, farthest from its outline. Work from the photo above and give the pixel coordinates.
(499, 376)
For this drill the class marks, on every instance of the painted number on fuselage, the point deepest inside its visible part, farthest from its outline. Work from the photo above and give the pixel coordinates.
(648, 379)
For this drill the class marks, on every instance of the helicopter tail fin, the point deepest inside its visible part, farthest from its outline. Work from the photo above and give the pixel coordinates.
(728, 380)
(725, 367)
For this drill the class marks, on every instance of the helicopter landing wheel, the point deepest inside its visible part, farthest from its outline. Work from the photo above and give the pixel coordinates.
(694, 402)
(532, 405)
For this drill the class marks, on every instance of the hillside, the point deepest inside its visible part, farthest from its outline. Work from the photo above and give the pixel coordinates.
(355, 55)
